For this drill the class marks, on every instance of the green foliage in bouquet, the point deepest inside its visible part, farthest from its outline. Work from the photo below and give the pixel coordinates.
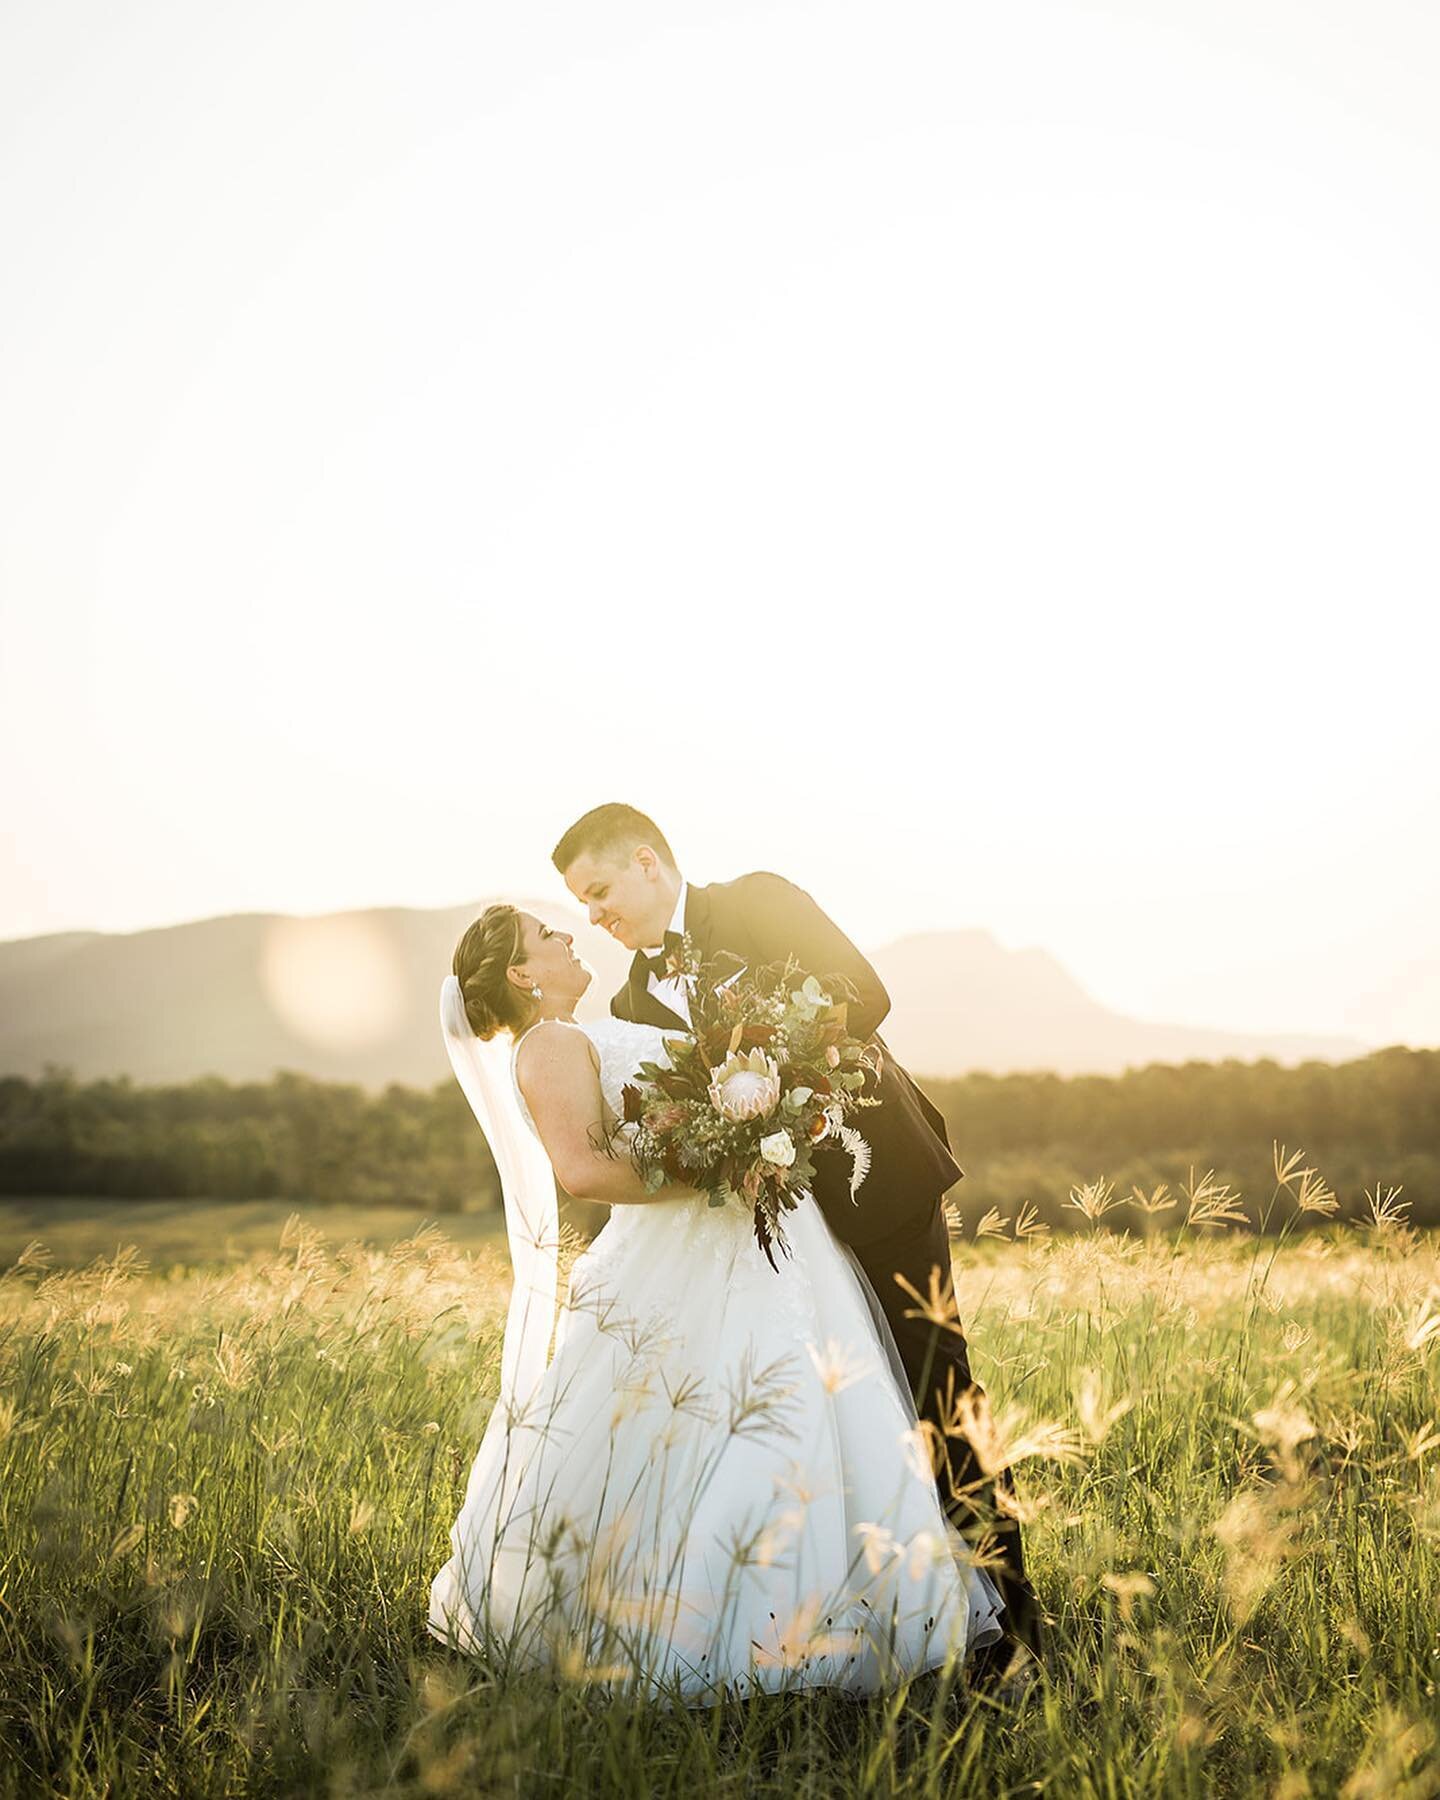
(762, 1084)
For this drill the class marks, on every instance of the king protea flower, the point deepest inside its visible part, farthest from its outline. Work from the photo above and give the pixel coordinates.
(745, 1087)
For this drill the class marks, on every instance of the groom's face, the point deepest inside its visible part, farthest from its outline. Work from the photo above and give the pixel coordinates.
(627, 895)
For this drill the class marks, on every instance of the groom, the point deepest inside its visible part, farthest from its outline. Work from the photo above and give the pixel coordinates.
(617, 864)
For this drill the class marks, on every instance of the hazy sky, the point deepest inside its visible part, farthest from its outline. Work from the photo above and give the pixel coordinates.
(979, 460)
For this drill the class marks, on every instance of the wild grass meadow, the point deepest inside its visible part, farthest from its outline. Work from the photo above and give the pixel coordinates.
(227, 1487)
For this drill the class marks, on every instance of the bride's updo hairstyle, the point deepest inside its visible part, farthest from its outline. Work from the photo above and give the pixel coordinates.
(489, 947)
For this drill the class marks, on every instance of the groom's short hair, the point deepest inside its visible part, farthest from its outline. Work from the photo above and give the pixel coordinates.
(611, 831)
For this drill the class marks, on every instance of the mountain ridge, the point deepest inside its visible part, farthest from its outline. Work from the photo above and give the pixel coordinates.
(1041, 1018)
(350, 996)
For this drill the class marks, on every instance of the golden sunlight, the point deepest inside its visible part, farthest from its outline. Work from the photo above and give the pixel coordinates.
(334, 981)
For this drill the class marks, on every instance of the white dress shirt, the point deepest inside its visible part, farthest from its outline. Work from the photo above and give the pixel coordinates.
(669, 990)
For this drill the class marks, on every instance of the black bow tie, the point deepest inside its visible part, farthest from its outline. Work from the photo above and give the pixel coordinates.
(657, 964)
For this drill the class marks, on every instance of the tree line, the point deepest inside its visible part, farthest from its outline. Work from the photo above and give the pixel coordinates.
(290, 1138)
(1023, 1140)
(1027, 1139)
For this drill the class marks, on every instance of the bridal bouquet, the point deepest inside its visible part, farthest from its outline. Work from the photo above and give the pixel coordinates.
(767, 1075)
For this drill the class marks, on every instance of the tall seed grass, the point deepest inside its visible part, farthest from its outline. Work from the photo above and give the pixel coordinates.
(224, 1496)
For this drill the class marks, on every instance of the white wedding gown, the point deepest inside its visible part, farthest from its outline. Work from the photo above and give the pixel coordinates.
(715, 1485)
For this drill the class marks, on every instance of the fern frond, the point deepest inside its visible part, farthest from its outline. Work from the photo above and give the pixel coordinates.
(859, 1156)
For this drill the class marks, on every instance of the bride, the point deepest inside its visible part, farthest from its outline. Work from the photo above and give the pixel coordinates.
(715, 1484)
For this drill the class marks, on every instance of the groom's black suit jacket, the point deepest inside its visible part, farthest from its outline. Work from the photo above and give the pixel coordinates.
(763, 918)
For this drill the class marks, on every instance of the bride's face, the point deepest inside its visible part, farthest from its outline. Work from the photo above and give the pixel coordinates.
(550, 962)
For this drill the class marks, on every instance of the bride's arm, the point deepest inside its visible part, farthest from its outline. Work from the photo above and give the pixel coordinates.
(560, 1080)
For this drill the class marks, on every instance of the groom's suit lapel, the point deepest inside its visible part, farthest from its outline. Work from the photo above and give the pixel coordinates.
(697, 920)
(700, 928)
(642, 1006)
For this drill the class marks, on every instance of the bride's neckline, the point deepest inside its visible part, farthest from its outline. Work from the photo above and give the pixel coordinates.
(555, 1020)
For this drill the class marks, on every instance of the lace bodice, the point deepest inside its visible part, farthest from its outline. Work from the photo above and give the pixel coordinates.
(621, 1046)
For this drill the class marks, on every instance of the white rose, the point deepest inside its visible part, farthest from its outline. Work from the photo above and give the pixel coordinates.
(778, 1149)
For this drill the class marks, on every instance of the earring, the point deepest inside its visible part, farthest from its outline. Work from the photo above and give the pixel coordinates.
(535, 994)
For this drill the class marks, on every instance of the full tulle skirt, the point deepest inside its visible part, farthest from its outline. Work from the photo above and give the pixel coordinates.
(718, 1485)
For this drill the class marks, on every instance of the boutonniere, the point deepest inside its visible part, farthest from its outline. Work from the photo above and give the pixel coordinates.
(680, 963)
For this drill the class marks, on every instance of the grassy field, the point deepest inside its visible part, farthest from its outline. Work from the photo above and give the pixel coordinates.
(170, 1234)
(226, 1489)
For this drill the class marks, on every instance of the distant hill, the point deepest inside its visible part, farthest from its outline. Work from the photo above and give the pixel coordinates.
(962, 1002)
(352, 997)
(243, 996)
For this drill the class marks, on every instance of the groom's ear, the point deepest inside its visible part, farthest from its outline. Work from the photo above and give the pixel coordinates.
(647, 860)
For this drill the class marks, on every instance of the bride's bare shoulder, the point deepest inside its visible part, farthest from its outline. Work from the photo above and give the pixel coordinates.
(553, 1049)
